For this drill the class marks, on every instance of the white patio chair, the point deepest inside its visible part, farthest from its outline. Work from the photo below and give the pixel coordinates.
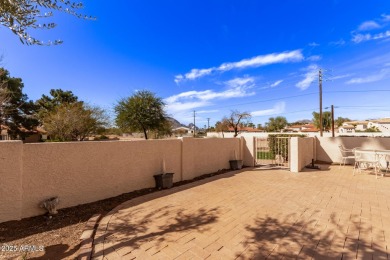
(366, 160)
(387, 159)
(346, 154)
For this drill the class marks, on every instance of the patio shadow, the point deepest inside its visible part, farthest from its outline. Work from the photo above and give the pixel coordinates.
(275, 238)
(134, 236)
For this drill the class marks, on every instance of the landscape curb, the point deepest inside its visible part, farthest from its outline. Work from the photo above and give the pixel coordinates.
(86, 238)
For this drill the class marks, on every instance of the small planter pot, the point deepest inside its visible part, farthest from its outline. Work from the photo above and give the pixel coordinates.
(235, 164)
(164, 180)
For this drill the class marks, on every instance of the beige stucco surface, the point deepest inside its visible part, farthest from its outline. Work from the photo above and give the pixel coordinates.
(301, 152)
(82, 172)
(208, 155)
(327, 148)
(85, 172)
(306, 151)
(11, 179)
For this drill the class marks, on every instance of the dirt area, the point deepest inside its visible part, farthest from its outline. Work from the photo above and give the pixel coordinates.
(57, 237)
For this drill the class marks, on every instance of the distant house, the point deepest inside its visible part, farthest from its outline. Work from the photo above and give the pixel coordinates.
(306, 128)
(296, 128)
(382, 124)
(347, 129)
(35, 135)
(358, 125)
(244, 129)
(182, 130)
(309, 128)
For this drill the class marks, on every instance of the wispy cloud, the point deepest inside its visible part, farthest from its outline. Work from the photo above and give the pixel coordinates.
(309, 77)
(313, 44)
(278, 108)
(340, 76)
(338, 43)
(239, 82)
(207, 111)
(189, 100)
(385, 17)
(384, 73)
(258, 61)
(358, 38)
(314, 58)
(276, 83)
(368, 25)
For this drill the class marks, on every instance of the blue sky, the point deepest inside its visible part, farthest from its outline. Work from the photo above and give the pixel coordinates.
(261, 57)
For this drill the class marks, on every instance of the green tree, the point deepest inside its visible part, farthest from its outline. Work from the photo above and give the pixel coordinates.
(275, 124)
(372, 129)
(340, 120)
(251, 125)
(164, 130)
(16, 111)
(141, 112)
(47, 104)
(235, 118)
(24, 15)
(73, 121)
(326, 120)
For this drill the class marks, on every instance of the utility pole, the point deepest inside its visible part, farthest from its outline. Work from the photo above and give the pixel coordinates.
(332, 109)
(208, 124)
(320, 86)
(194, 124)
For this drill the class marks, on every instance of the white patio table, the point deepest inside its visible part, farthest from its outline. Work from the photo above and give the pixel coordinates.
(371, 158)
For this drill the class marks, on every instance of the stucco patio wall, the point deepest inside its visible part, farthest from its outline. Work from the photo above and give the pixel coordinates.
(302, 151)
(11, 179)
(208, 155)
(83, 172)
(327, 148)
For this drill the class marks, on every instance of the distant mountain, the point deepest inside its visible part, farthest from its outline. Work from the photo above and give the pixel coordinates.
(302, 122)
(175, 123)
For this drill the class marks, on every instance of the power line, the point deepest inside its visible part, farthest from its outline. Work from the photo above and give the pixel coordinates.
(267, 100)
(301, 95)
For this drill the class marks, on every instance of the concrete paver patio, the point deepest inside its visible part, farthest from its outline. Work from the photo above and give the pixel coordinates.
(255, 214)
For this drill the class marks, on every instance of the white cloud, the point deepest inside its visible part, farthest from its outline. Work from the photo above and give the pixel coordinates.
(236, 82)
(369, 25)
(338, 43)
(381, 35)
(384, 73)
(314, 58)
(258, 61)
(276, 83)
(309, 77)
(313, 44)
(277, 109)
(178, 78)
(184, 106)
(385, 18)
(340, 76)
(207, 111)
(189, 100)
(358, 38)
